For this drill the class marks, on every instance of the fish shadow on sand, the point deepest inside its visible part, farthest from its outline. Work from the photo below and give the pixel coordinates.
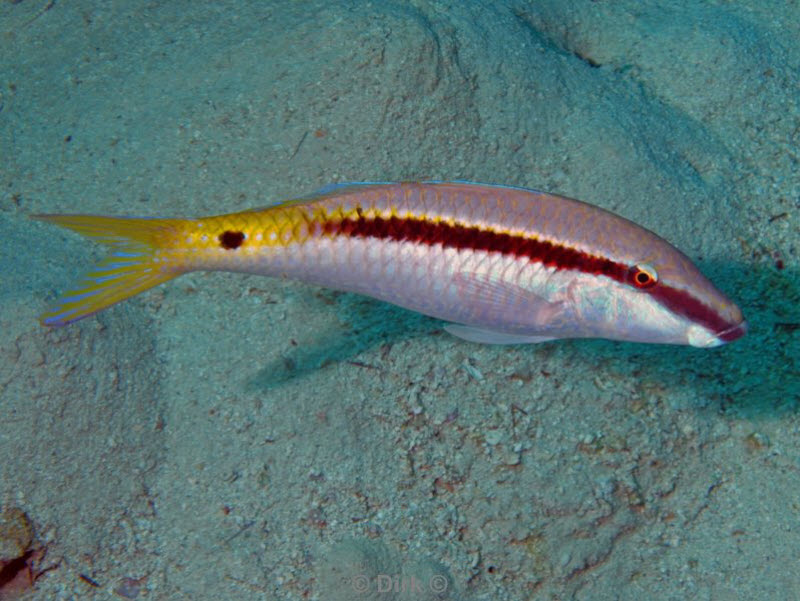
(369, 324)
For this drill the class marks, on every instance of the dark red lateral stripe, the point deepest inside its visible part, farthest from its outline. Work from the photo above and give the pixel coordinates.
(464, 237)
(559, 256)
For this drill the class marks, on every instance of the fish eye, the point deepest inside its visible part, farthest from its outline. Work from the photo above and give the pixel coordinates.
(642, 276)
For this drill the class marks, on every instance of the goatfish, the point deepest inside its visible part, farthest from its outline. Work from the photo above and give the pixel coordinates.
(500, 264)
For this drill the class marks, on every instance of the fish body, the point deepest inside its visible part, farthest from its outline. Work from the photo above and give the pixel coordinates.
(500, 264)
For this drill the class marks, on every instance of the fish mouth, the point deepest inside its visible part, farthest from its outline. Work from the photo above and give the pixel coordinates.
(732, 333)
(700, 337)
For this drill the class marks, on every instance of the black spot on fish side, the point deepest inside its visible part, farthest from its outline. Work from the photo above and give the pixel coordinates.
(231, 240)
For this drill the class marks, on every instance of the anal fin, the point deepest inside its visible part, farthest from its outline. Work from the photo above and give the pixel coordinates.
(481, 336)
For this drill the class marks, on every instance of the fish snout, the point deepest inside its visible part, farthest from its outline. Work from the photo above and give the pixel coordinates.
(733, 333)
(701, 337)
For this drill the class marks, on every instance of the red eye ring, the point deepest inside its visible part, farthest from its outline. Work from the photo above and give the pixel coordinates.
(642, 276)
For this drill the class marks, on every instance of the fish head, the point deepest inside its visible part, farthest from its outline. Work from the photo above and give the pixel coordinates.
(706, 316)
(664, 298)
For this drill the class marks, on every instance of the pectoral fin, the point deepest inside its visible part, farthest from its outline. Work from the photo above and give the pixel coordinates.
(492, 298)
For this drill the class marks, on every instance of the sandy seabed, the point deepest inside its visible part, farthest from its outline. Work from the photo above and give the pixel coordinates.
(232, 437)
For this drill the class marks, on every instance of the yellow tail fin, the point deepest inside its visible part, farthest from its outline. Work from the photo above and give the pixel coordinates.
(131, 268)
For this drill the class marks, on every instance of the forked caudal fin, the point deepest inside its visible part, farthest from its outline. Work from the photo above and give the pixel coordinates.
(131, 268)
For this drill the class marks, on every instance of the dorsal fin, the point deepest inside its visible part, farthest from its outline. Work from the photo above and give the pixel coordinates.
(324, 191)
(342, 186)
